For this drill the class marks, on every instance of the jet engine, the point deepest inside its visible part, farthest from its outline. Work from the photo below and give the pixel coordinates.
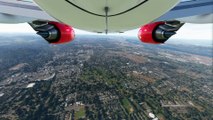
(54, 32)
(158, 32)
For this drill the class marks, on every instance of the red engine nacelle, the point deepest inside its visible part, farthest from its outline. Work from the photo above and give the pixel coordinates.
(57, 33)
(152, 33)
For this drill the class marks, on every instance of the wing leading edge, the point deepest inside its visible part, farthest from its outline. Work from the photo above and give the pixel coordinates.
(189, 9)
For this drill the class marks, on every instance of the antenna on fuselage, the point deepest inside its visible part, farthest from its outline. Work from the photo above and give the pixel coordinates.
(106, 9)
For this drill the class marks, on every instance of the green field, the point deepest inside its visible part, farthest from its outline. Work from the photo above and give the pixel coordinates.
(127, 105)
(80, 114)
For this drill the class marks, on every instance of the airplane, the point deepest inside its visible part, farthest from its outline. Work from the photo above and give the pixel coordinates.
(158, 20)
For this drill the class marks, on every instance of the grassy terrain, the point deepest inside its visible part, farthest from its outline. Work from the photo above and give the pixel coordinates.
(80, 114)
(127, 105)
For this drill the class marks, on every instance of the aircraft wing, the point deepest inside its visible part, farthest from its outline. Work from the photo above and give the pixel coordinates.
(117, 16)
(189, 8)
(11, 11)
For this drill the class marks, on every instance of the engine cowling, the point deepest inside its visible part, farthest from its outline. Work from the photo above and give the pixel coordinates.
(56, 33)
(154, 34)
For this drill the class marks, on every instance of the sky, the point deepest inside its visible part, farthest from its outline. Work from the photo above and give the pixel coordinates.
(187, 32)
